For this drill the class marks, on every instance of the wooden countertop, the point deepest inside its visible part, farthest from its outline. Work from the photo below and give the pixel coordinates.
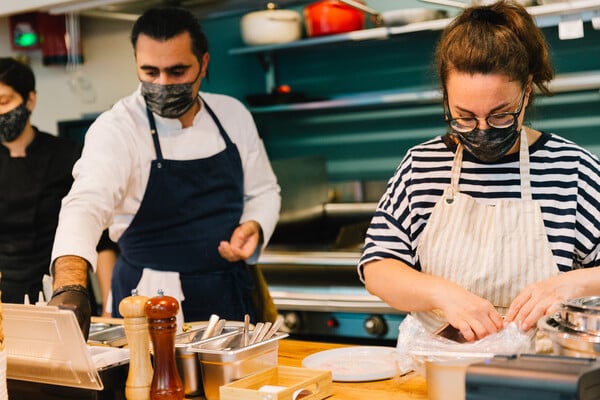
(292, 352)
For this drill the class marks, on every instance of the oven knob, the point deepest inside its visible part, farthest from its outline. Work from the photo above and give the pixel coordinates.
(375, 325)
(292, 321)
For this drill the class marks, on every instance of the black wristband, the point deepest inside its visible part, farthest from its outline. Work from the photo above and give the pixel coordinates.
(71, 288)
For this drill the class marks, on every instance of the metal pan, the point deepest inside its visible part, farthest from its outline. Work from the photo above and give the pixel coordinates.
(589, 304)
(565, 338)
(580, 321)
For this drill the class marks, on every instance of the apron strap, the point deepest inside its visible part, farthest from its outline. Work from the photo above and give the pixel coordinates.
(524, 167)
(154, 134)
(455, 174)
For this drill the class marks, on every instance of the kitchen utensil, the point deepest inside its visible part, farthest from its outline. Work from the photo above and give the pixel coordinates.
(264, 331)
(274, 328)
(256, 332)
(328, 17)
(213, 320)
(244, 341)
(219, 328)
(271, 26)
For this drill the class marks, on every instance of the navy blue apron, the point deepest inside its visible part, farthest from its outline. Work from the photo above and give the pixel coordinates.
(188, 208)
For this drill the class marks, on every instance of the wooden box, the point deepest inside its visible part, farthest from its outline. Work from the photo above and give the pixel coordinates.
(285, 383)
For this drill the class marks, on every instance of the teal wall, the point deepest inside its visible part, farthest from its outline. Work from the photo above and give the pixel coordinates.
(368, 142)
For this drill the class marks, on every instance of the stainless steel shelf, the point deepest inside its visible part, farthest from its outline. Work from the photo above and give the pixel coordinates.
(545, 15)
(563, 83)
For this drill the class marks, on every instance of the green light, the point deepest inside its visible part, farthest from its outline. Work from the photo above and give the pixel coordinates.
(26, 39)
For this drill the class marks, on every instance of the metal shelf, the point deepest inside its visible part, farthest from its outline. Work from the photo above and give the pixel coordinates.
(545, 15)
(562, 83)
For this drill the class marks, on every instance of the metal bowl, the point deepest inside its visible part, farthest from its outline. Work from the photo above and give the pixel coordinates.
(568, 341)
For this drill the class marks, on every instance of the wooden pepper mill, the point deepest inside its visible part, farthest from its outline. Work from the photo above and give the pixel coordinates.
(162, 324)
(139, 378)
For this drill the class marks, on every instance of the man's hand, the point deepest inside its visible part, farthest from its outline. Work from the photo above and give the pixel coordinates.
(77, 299)
(70, 293)
(243, 242)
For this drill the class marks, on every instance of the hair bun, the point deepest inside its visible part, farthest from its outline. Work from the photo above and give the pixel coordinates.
(485, 14)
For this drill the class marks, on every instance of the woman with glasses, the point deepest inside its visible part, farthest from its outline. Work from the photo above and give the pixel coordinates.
(494, 221)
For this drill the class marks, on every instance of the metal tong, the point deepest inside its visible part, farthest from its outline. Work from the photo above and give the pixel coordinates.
(262, 331)
(214, 328)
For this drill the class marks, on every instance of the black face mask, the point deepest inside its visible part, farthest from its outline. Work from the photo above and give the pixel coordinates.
(490, 144)
(170, 101)
(13, 123)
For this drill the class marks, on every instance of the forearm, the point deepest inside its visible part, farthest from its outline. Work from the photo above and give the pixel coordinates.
(403, 287)
(69, 270)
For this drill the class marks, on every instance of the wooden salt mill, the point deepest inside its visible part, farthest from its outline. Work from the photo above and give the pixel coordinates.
(162, 324)
(139, 378)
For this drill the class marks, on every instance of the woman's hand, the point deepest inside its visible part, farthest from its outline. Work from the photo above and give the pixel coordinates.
(407, 289)
(474, 316)
(243, 242)
(544, 298)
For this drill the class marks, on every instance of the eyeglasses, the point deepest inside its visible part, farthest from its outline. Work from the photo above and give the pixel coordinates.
(499, 120)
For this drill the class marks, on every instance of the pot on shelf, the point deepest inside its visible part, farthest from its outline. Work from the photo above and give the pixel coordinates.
(328, 17)
(271, 26)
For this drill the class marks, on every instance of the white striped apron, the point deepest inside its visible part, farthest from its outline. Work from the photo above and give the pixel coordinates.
(492, 251)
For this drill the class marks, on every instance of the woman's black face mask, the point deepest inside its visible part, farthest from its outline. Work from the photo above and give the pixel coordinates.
(490, 144)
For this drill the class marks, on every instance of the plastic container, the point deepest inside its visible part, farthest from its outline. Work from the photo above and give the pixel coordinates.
(224, 360)
(446, 379)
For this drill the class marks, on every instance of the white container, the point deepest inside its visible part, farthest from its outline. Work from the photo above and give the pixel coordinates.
(271, 27)
(446, 380)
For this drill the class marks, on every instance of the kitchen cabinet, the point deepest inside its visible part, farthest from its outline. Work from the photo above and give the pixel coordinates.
(548, 15)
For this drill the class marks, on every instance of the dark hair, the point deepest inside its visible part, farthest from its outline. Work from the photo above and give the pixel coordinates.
(167, 22)
(18, 76)
(498, 38)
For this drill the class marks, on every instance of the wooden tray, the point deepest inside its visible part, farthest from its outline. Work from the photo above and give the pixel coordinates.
(291, 380)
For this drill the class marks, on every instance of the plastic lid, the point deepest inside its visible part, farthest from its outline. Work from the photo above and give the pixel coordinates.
(45, 344)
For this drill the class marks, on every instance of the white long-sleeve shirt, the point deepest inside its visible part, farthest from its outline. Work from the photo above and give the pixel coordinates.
(113, 171)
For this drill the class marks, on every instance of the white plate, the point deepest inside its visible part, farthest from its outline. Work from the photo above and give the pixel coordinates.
(356, 364)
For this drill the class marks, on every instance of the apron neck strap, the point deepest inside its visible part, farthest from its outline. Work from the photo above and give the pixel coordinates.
(524, 168)
(154, 133)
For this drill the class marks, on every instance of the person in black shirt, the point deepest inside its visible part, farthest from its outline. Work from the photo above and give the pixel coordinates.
(35, 174)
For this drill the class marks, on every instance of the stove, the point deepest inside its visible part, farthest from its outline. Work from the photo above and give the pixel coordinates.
(310, 263)
(321, 298)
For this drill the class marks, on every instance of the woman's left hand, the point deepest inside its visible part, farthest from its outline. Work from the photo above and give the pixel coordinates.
(544, 298)
(243, 242)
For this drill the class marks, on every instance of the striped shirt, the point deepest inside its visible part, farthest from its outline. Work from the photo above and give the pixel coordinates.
(565, 180)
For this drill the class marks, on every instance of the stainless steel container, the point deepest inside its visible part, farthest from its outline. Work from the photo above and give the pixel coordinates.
(224, 359)
(187, 361)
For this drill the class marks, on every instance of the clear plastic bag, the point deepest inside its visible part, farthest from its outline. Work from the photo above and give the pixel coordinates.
(416, 345)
